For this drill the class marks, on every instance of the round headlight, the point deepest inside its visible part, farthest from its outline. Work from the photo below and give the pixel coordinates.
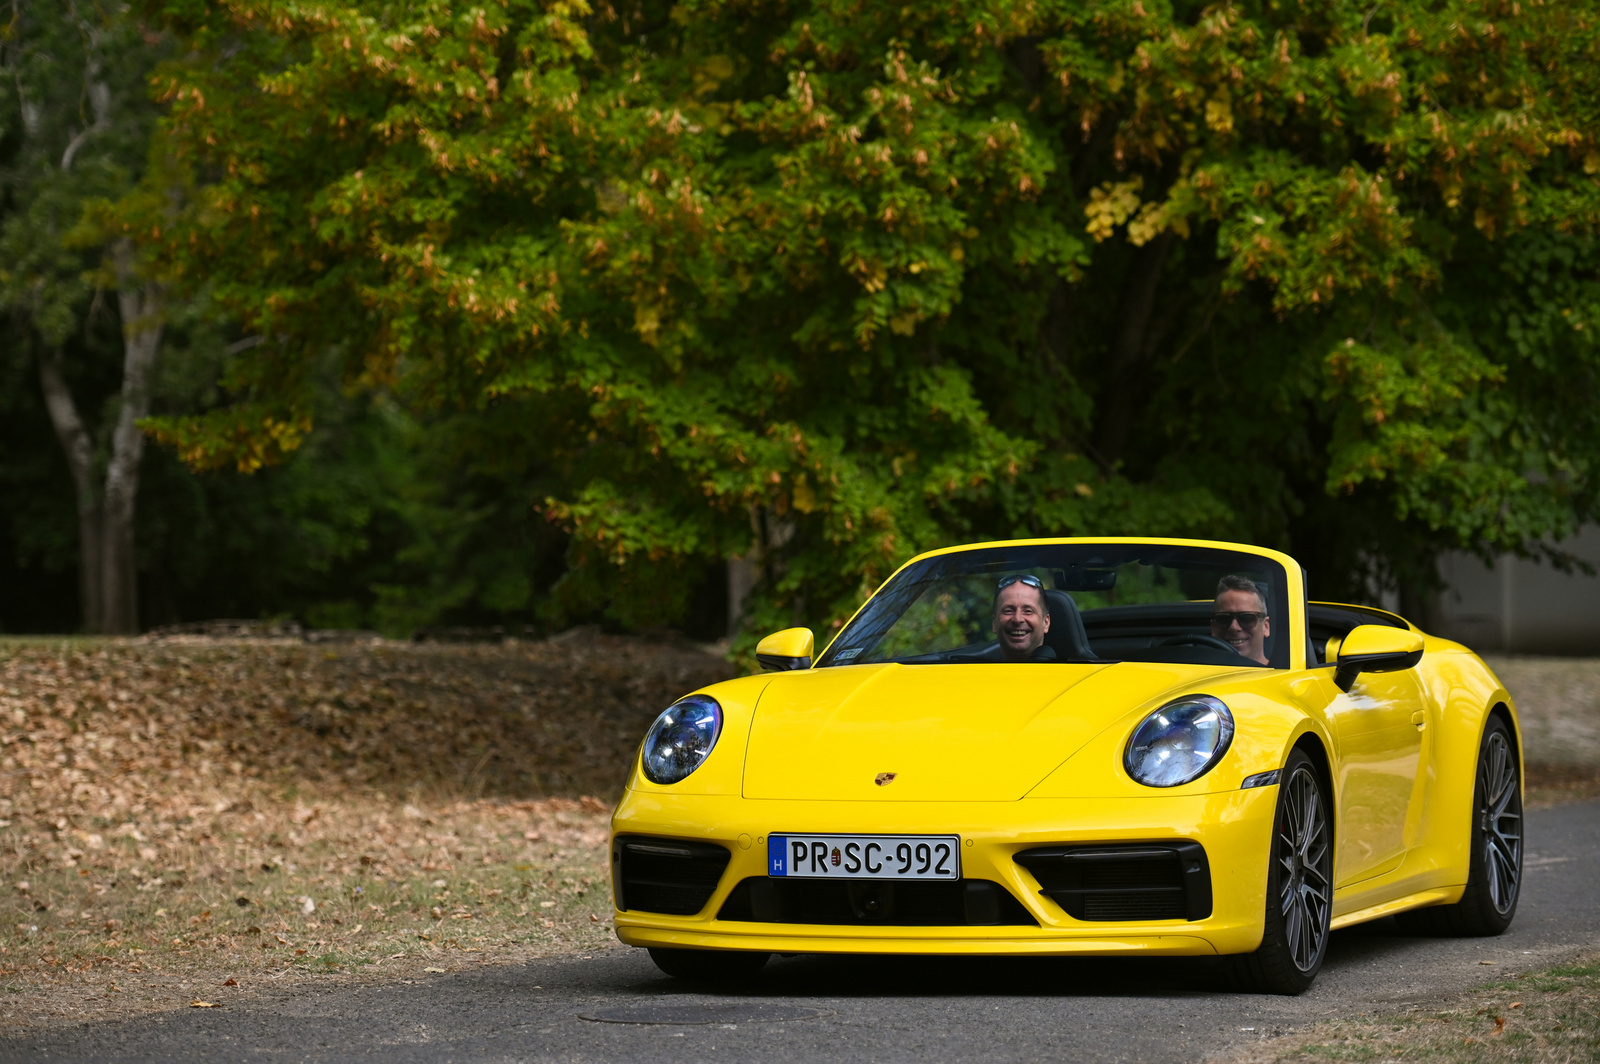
(681, 738)
(1179, 742)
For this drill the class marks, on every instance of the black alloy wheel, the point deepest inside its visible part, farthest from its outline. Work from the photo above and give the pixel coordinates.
(1494, 875)
(1299, 887)
(713, 967)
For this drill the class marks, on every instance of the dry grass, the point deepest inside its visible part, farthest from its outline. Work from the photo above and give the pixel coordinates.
(1554, 784)
(190, 822)
(1547, 1017)
(267, 890)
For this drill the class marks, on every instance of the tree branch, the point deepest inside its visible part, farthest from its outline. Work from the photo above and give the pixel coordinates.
(141, 305)
(98, 91)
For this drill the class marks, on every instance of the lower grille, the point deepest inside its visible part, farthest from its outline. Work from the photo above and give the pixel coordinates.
(665, 875)
(1128, 881)
(967, 902)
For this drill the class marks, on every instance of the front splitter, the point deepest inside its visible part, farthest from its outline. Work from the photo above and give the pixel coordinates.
(990, 942)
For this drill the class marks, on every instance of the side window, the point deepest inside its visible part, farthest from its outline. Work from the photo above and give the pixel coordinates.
(1327, 624)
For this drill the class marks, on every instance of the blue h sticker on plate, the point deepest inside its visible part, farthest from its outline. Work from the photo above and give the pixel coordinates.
(777, 855)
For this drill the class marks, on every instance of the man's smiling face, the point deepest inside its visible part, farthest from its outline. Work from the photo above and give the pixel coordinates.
(1020, 620)
(1250, 642)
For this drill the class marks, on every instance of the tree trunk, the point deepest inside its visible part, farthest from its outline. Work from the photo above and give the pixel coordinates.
(108, 585)
(140, 303)
(1124, 390)
(741, 580)
(79, 449)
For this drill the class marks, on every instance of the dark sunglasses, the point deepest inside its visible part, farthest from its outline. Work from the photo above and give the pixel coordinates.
(1248, 619)
(1020, 578)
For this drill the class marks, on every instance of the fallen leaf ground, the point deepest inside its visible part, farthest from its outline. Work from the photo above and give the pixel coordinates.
(187, 822)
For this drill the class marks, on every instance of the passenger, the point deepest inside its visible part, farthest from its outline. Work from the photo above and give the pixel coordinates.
(1239, 617)
(1021, 619)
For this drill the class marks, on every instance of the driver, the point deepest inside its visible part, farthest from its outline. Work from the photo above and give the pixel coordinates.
(1239, 617)
(1021, 619)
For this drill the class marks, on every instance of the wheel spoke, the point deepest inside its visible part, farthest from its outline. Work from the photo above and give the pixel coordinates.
(1292, 814)
(1308, 935)
(1494, 770)
(1309, 827)
(1494, 865)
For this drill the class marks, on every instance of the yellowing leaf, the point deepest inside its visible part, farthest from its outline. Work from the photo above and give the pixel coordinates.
(1110, 205)
(1219, 115)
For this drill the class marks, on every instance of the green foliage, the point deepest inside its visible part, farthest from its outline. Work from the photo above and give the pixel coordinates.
(380, 520)
(829, 283)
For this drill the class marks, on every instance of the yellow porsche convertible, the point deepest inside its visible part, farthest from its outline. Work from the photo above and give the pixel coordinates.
(1074, 746)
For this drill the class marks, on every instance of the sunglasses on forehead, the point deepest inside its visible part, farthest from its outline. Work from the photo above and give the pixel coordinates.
(1248, 619)
(1020, 578)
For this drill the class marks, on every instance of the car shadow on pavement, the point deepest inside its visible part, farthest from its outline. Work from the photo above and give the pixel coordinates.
(873, 975)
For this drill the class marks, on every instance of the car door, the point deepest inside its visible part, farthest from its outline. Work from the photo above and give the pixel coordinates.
(1378, 725)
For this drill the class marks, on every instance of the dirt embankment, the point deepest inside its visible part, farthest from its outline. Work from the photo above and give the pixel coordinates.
(518, 721)
(185, 822)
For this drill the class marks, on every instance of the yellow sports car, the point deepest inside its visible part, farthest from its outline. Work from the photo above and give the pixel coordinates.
(1074, 746)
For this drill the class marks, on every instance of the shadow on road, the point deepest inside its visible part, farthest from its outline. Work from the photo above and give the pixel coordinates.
(901, 976)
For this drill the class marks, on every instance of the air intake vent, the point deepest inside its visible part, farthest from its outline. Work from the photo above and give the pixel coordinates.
(1137, 881)
(665, 875)
(964, 903)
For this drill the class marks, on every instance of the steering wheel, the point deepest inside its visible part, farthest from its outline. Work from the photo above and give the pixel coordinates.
(1195, 639)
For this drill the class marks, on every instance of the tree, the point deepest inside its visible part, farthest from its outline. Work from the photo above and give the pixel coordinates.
(74, 149)
(824, 284)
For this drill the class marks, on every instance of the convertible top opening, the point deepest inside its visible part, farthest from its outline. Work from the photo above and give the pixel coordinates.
(1104, 602)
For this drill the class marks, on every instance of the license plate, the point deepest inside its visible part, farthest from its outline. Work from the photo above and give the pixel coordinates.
(864, 856)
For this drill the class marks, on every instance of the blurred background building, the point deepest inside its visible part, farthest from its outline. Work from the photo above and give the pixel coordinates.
(1523, 607)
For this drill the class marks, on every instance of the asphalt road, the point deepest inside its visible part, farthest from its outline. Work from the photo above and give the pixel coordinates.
(869, 1009)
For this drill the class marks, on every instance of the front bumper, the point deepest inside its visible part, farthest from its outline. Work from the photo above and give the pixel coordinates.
(1234, 827)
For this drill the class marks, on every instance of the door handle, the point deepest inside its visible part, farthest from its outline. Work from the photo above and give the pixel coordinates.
(1419, 718)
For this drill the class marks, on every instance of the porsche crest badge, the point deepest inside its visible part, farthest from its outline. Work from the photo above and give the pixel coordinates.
(883, 779)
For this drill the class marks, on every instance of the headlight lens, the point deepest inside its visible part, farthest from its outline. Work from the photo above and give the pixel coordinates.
(681, 738)
(1179, 742)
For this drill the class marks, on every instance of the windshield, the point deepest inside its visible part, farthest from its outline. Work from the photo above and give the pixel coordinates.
(1076, 602)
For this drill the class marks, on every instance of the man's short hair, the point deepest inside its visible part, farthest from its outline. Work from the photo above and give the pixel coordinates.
(1235, 582)
(1044, 600)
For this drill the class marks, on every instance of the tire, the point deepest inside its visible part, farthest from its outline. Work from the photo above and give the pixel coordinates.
(710, 966)
(1299, 887)
(1494, 873)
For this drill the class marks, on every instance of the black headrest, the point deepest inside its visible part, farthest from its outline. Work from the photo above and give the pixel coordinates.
(1066, 635)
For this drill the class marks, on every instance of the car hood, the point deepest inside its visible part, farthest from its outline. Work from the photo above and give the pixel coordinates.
(948, 733)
